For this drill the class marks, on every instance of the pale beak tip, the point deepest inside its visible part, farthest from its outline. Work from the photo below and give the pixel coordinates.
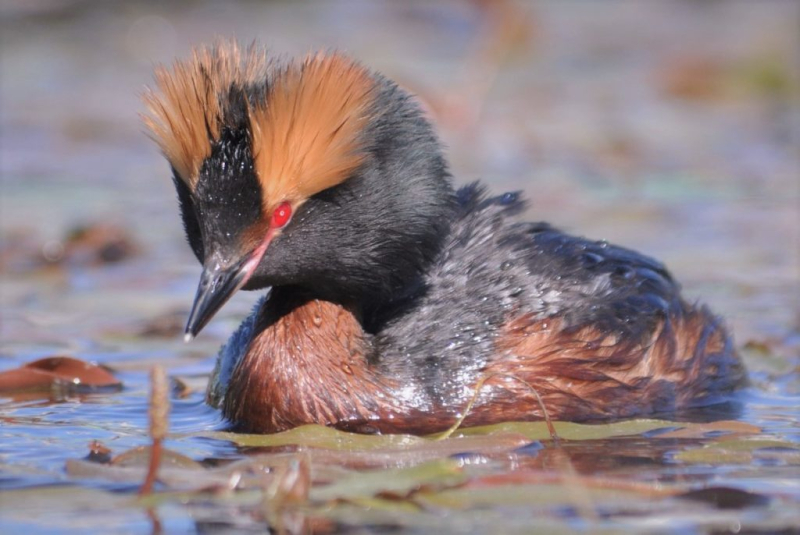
(188, 337)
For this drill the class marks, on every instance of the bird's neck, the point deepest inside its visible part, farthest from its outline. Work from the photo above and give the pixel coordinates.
(376, 258)
(306, 363)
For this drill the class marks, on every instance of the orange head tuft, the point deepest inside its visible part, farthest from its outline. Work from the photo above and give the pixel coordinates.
(307, 133)
(186, 114)
(305, 119)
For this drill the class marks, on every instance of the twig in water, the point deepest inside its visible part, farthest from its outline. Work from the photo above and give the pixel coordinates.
(479, 385)
(159, 424)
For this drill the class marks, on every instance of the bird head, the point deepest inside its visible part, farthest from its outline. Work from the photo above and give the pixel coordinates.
(316, 174)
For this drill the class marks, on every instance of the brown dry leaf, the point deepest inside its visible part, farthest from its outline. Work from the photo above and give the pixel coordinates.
(65, 372)
(97, 244)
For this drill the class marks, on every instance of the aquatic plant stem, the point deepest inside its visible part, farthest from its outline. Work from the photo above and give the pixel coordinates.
(159, 425)
(479, 385)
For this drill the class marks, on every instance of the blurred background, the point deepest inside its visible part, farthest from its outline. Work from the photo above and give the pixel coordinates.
(669, 127)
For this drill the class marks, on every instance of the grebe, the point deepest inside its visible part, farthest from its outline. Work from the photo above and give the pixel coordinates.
(392, 295)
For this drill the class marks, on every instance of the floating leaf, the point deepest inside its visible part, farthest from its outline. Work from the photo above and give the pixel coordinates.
(63, 373)
(327, 445)
(140, 457)
(421, 452)
(175, 470)
(568, 430)
(320, 437)
(25, 380)
(326, 437)
(173, 477)
(703, 430)
(741, 452)
(575, 431)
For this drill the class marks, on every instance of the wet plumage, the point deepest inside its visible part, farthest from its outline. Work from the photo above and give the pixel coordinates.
(392, 294)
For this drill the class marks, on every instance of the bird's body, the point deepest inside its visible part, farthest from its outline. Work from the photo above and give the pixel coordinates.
(394, 297)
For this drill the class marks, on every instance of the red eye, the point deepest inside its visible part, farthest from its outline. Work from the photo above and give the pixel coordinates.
(281, 215)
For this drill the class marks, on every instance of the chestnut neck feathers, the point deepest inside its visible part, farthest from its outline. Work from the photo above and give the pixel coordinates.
(346, 151)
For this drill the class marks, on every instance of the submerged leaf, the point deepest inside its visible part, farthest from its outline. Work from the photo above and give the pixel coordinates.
(741, 452)
(539, 493)
(444, 473)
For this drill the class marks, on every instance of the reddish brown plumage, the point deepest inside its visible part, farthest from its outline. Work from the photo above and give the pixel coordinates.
(306, 366)
(582, 374)
(309, 365)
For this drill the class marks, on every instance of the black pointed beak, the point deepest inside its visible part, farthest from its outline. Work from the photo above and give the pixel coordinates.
(217, 285)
